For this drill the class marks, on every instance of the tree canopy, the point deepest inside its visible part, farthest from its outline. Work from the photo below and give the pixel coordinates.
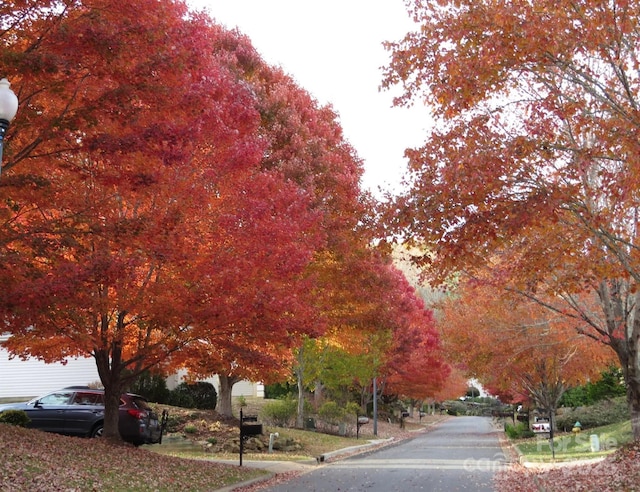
(138, 213)
(532, 167)
(517, 349)
(169, 200)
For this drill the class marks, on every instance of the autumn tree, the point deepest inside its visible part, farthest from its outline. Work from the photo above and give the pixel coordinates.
(456, 383)
(255, 256)
(418, 369)
(351, 295)
(517, 349)
(304, 144)
(531, 169)
(266, 313)
(98, 189)
(133, 204)
(386, 332)
(332, 371)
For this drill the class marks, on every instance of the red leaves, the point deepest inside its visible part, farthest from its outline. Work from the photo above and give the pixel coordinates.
(48, 462)
(156, 224)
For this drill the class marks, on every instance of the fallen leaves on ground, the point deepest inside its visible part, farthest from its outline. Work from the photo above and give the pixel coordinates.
(46, 462)
(35, 460)
(617, 472)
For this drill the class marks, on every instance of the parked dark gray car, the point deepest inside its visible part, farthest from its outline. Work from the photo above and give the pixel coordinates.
(79, 411)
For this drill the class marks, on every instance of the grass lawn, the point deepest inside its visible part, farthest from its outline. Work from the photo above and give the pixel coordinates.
(312, 444)
(570, 446)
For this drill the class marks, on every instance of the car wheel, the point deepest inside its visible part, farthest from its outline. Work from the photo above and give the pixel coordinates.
(97, 430)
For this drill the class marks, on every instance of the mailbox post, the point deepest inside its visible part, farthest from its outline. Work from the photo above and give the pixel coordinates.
(249, 427)
(360, 422)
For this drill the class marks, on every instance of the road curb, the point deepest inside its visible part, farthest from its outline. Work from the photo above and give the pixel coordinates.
(325, 458)
(301, 466)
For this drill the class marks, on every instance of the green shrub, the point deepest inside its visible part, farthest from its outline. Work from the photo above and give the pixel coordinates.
(610, 385)
(604, 412)
(15, 417)
(456, 407)
(152, 386)
(280, 391)
(280, 412)
(353, 409)
(518, 431)
(201, 395)
(331, 413)
(190, 429)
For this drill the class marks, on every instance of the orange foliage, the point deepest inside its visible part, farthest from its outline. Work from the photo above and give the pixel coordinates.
(531, 169)
(509, 344)
(455, 386)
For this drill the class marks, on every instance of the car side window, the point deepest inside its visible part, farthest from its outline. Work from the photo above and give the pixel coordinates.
(59, 398)
(87, 399)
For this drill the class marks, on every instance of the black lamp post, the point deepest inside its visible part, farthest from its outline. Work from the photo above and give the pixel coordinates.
(8, 109)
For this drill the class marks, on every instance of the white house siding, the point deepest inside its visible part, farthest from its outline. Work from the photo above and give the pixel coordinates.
(25, 379)
(30, 378)
(247, 388)
(241, 388)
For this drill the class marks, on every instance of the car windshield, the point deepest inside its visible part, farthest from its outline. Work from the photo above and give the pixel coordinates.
(58, 398)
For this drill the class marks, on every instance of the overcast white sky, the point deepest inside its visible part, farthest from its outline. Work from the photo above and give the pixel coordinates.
(333, 49)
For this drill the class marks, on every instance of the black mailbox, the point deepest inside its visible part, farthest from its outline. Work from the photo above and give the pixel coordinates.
(249, 425)
(250, 429)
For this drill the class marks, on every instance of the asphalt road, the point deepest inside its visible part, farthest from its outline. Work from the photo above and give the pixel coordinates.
(460, 454)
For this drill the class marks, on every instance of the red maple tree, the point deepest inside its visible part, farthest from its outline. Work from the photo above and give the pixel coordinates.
(136, 217)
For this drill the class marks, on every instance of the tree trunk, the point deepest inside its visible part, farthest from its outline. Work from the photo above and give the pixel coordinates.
(627, 351)
(299, 372)
(225, 388)
(365, 398)
(624, 341)
(317, 393)
(111, 413)
(633, 375)
(633, 399)
(110, 375)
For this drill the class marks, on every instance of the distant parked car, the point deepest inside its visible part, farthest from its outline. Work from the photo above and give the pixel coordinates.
(79, 411)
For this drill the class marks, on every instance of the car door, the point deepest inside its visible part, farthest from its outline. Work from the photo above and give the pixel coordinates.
(48, 413)
(85, 410)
